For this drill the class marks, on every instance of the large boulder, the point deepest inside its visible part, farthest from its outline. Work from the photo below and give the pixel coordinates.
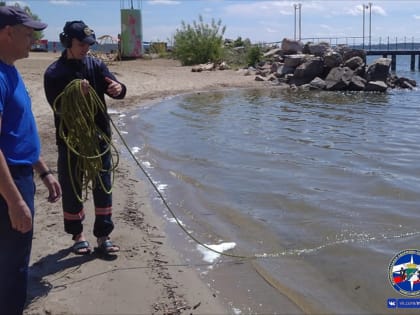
(376, 86)
(317, 84)
(404, 83)
(379, 70)
(350, 53)
(309, 70)
(354, 63)
(294, 60)
(333, 59)
(283, 70)
(338, 79)
(357, 83)
(273, 52)
(319, 49)
(290, 46)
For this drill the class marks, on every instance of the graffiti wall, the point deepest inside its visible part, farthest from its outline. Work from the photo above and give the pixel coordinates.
(131, 33)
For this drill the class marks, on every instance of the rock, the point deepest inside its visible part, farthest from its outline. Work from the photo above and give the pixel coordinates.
(357, 83)
(290, 46)
(338, 79)
(309, 70)
(332, 59)
(272, 52)
(376, 86)
(318, 66)
(354, 63)
(319, 49)
(379, 70)
(271, 78)
(402, 83)
(350, 53)
(317, 84)
(223, 66)
(294, 60)
(204, 67)
(283, 70)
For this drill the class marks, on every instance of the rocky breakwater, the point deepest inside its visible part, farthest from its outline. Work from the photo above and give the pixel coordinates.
(322, 67)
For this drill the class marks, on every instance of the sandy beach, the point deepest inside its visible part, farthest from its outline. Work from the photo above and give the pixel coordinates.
(148, 276)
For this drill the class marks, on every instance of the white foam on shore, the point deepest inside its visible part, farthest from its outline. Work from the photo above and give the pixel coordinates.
(173, 220)
(162, 187)
(236, 311)
(113, 111)
(135, 150)
(147, 164)
(209, 255)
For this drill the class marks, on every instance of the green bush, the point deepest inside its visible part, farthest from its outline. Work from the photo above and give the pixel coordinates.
(240, 53)
(199, 43)
(254, 55)
(238, 42)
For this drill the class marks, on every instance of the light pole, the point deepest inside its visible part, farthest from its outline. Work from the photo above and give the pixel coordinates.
(363, 34)
(370, 25)
(295, 6)
(298, 6)
(300, 21)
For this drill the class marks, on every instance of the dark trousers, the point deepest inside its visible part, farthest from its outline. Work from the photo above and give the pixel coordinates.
(72, 206)
(15, 247)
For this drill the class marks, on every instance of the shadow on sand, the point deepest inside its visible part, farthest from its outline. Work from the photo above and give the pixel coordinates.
(56, 263)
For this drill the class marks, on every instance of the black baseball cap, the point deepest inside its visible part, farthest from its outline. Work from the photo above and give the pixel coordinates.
(79, 30)
(10, 15)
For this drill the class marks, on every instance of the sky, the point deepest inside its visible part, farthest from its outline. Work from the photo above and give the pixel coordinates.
(261, 21)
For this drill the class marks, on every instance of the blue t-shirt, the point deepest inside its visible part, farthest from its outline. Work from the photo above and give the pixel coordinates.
(19, 139)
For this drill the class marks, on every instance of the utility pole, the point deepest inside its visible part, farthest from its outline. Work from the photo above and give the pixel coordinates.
(298, 6)
(364, 7)
(363, 36)
(294, 37)
(370, 25)
(300, 21)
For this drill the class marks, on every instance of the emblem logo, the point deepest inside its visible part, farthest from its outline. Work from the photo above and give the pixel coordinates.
(88, 31)
(404, 272)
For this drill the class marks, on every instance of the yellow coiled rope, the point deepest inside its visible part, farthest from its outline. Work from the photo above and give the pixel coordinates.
(78, 129)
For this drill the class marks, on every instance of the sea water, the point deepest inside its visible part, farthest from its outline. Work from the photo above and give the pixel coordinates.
(322, 187)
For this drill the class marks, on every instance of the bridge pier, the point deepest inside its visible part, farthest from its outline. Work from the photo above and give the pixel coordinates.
(412, 62)
(393, 62)
(418, 62)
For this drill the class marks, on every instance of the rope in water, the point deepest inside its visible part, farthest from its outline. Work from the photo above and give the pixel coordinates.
(83, 138)
(168, 206)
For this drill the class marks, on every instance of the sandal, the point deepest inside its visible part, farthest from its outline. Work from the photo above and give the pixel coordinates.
(107, 247)
(81, 248)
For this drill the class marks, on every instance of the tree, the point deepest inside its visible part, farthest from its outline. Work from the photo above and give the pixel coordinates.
(199, 43)
(37, 34)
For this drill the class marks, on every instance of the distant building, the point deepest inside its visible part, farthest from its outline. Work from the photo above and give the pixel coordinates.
(40, 45)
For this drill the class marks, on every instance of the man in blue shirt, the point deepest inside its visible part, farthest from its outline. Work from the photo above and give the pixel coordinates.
(19, 157)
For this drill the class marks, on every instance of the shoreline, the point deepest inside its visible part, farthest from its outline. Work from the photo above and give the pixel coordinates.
(149, 275)
(241, 282)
